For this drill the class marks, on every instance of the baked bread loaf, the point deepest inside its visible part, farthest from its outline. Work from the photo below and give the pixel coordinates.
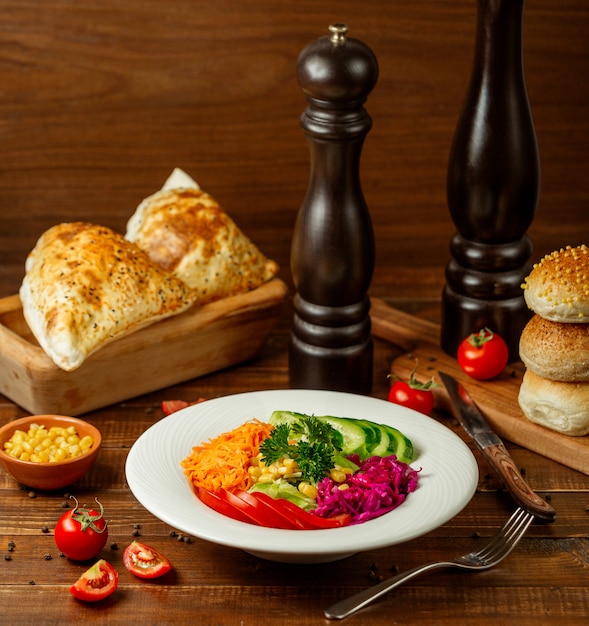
(557, 288)
(86, 285)
(561, 406)
(556, 350)
(186, 232)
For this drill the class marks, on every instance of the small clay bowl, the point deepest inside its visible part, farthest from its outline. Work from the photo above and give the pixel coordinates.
(49, 476)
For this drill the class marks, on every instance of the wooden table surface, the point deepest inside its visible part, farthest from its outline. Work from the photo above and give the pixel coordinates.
(544, 578)
(97, 107)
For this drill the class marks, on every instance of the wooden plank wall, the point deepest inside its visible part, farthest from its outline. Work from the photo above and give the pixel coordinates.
(99, 101)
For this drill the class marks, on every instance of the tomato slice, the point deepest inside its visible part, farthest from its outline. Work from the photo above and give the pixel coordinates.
(261, 509)
(222, 506)
(144, 561)
(96, 583)
(256, 514)
(298, 523)
(273, 517)
(308, 519)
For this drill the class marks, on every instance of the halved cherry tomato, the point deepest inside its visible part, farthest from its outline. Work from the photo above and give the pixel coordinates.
(144, 561)
(96, 583)
(222, 506)
(483, 355)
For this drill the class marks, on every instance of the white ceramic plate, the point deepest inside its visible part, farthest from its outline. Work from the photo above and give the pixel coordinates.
(447, 482)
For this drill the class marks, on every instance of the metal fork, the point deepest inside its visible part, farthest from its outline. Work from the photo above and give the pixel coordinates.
(488, 556)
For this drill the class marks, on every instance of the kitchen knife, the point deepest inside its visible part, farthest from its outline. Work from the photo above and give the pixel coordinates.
(475, 424)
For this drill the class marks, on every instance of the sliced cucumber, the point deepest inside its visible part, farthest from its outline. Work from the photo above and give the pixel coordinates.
(353, 436)
(382, 448)
(399, 444)
(372, 430)
(359, 436)
(377, 438)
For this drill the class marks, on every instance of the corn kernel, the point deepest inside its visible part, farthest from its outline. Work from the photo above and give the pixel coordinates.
(44, 456)
(308, 490)
(337, 475)
(59, 455)
(40, 445)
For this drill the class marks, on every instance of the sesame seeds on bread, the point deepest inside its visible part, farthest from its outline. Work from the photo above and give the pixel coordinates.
(557, 288)
(554, 345)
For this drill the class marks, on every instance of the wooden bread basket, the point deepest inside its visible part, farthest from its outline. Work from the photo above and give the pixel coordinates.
(199, 341)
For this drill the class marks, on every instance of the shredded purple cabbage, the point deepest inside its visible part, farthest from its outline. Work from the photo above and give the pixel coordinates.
(379, 486)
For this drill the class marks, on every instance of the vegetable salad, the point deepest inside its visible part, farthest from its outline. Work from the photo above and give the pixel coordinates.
(303, 471)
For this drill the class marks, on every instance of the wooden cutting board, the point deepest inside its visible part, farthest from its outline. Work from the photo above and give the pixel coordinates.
(419, 339)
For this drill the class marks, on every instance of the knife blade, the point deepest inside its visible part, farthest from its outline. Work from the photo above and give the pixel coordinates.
(474, 423)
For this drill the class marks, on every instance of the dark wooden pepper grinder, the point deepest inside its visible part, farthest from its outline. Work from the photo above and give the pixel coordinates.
(332, 253)
(492, 187)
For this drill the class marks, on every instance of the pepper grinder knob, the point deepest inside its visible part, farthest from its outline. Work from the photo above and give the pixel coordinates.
(332, 252)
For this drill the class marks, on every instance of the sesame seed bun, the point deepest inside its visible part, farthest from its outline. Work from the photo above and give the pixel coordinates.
(556, 350)
(557, 288)
(560, 406)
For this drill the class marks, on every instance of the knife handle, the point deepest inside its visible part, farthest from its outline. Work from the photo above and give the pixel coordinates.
(501, 461)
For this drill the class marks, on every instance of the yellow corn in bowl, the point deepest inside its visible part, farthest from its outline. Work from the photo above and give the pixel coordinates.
(48, 452)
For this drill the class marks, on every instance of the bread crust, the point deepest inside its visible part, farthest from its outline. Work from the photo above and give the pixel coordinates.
(86, 286)
(556, 350)
(560, 406)
(557, 288)
(186, 232)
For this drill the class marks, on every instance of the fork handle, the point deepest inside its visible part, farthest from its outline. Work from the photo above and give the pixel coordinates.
(350, 605)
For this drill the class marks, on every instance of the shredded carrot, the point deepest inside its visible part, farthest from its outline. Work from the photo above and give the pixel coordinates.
(222, 462)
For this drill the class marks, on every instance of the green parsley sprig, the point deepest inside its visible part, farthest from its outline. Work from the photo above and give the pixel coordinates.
(311, 443)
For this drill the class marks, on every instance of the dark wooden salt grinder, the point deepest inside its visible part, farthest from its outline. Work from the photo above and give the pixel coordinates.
(332, 253)
(492, 187)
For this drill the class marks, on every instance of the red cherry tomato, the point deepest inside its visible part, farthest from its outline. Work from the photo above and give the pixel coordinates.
(171, 406)
(81, 533)
(413, 394)
(144, 561)
(96, 583)
(483, 355)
